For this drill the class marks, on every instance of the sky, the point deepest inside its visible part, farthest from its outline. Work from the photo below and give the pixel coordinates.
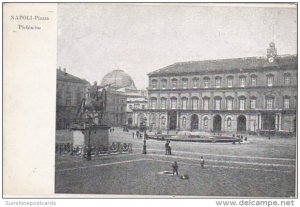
(94, 39)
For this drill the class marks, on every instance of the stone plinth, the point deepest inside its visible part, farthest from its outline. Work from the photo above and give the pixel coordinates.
(98, 135)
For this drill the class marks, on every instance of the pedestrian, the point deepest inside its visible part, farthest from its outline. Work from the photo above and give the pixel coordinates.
(175, 168)
(202, 162)
(137, 134)
(132, 135)
(167, 146)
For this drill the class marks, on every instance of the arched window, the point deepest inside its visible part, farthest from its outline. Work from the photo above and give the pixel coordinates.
(185, 83)
(229, 81)
(163, 103)
(253, 102)
(154, 84)
(286, 102)
(164, 83)
(173, 103)
(153, 103)
(287, 78)
(242, 103)
(184, 103)
(229, 103)
(253, 80)
(218, 102)
(206, 82)
(195, 82)
(205, 103)
(269, 102)
(218, 82)
(174, 83)
(242, 81)
(270, 80)
(195, 101)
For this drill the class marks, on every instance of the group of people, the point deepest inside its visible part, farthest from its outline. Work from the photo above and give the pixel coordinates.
(175, 166)
(125, 129)
(138, 134)
(111, 129)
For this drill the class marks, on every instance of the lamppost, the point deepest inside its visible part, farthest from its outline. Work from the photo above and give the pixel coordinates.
(89, 150)
(143, 129)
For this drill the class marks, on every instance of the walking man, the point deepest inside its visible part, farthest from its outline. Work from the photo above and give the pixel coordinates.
(175, 168)
(202, 162)
(167, 146)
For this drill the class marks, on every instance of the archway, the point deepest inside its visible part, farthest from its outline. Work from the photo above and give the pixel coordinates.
(129, 121)
(194, 122)
(217, 123)
(172, 120)
(241, 123)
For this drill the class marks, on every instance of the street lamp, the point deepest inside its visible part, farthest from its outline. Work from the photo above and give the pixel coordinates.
(143, 129)
(89, 150)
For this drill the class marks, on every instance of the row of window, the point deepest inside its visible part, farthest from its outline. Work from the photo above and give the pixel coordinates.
(205, 122)
(218, 82)
(269, 104)
(137, 106)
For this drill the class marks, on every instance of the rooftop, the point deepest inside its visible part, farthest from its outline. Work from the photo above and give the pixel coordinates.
(62, 75)
(225, 64)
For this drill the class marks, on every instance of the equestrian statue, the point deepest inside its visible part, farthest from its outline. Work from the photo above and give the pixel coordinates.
(93, 106)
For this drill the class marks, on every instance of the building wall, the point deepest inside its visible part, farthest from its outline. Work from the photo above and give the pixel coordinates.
(69, 93)
(115, 114)
(254, 118)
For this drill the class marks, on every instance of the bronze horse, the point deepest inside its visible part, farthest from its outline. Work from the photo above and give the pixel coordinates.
(94, 102)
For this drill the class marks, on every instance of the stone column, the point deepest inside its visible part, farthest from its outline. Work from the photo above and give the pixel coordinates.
(276, 121)
(279, 121)
(259, 124)
(178, 120)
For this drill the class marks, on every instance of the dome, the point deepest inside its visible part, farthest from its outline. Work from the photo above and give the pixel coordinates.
(118, 79)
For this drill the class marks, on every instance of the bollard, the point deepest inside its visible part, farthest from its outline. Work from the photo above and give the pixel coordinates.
(89, 154)
(144, 148)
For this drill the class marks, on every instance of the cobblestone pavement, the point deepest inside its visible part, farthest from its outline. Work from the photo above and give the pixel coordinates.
(258, 168)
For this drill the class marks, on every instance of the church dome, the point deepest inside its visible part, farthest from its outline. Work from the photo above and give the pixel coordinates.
(118, 79)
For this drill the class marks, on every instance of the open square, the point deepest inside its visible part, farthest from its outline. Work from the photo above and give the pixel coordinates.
(257, 168)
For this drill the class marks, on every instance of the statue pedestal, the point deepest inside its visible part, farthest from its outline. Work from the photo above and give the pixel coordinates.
(96, 136)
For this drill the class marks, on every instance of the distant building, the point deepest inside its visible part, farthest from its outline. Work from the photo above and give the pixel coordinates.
(115, 114)
(121, 92)
(135, 103)
(69, 92)
(239, 94)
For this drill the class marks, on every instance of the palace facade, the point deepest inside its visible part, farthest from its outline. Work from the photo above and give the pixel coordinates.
(240, 94)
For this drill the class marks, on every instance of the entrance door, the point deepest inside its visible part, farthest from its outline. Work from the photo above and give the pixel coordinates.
(217, 122)
(172, 120)
(194, 122)
(241, 123)
(129, 121)
(268, 121)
